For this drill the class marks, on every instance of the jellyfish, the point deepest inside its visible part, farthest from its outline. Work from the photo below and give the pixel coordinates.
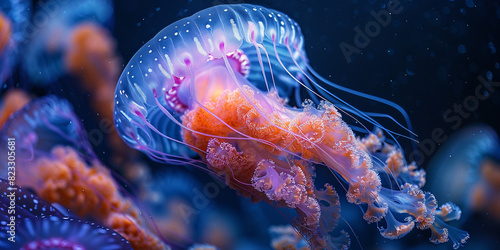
(55, 159)
(52, 52)
(76, 44)
(217, 83)
(471, 154)
(14, 16)
(5, 31)
(39, 225)
(12, 101)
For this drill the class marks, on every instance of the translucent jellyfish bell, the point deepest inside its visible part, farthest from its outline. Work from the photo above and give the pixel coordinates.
(14, 18)
(11, 102)
(467, 155)
(46, 49)
(41, 125)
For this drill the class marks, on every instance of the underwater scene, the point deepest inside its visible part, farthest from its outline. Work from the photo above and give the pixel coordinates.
(249, 124)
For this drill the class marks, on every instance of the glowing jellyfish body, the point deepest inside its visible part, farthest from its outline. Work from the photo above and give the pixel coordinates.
(77, 44)
(14, 15)
(52, 52)
(472, 155)
(39, 225)
(18, 12)
(41, 125)
(55, 159)
(12, 101)
(197, 86)
(5, 45)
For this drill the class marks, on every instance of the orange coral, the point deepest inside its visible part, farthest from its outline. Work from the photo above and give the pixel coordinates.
(12, 102)
(138, 237)
(89, 192)
(5, 31)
